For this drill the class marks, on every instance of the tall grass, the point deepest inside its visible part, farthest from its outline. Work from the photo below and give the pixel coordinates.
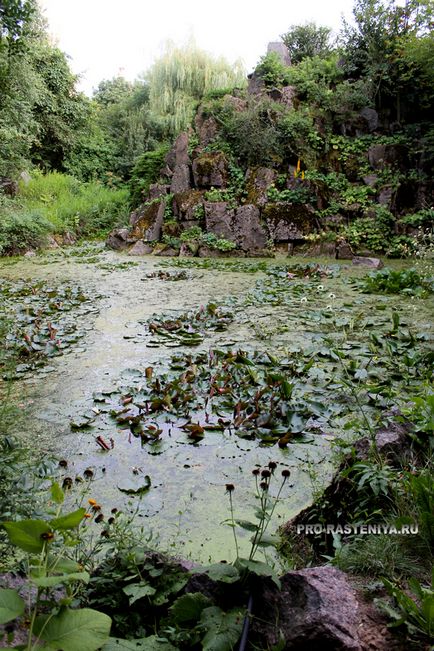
(56, 203)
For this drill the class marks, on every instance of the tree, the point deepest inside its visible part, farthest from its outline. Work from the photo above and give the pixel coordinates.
(380, 45)
(179, 79)
(307, 40)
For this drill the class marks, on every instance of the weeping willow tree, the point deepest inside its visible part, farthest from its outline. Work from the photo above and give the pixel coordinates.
(179, 79)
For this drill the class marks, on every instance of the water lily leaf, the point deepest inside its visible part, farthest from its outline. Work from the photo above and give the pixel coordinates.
(132, 488)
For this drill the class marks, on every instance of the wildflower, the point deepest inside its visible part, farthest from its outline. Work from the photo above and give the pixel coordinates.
(67, 482)
(96, 507)
(88, 473)
(265, 474)
(99, 517)
(114, 510)
(92, 502)
(230, 488)
(256, 472)
(303, 299)
(272, 465)
(285, 473)
(263, 485)
(48, 536)
(87, 515)
(63, 463)
(110, 520)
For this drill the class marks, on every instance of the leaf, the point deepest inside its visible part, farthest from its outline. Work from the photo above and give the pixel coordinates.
(223, 572)
(51, 581)
(11, 605)
(245, 524)
(73, 630)
(136, 591)
(259, 568)
(27, 534)
(137, 490)
(57, 494)
(68, 521)
(189, 607)
(223, 629)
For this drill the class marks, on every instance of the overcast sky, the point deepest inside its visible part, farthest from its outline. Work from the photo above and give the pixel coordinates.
(105, 38)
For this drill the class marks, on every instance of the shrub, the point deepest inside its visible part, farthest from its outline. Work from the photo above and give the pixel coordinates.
(23, 230)
(146, 171)
(68, 204)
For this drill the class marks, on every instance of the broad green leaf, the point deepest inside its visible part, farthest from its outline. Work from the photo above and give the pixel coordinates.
(223, 630)
(68, 521)
(136, 591)
(11, 605)
(258, 567)
(27, 534)
(57, 494)
(189, 607)
(219, 572)
(74, 630)
(51, 581)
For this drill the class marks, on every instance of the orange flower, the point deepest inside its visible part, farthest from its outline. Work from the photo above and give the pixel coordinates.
(92, 502)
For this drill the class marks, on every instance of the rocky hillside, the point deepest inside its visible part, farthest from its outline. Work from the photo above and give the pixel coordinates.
(271, 169)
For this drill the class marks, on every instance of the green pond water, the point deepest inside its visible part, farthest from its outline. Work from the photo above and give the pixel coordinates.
(186, 504)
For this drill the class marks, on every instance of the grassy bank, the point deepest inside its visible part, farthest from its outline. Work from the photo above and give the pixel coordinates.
(54, 204)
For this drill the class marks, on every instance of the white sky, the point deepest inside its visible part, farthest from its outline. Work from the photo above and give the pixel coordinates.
(105, 38)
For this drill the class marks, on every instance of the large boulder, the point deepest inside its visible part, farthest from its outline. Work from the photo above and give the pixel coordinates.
(279, 48)
(210, 170)
(315, 609)
(249, 232)
(179, 155)
(149, 222)
(287, 222)
(382, 156)
(118, 239)
(206, 128)
(8, 186)
(181, 179)
(140, 248)
(258, 180)
(372, 263)
(219, 219)
(187, 205)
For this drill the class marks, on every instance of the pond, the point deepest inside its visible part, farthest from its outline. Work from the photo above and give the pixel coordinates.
(119, 381)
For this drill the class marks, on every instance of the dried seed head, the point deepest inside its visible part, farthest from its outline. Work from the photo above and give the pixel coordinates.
(256, 472)
(63, 463)
(265, 473)
(88, 473)
(230, 488)
(263, 485)
(99, 517)
(285, 473)
(272, 465)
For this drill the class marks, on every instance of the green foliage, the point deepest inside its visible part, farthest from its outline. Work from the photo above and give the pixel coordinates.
(297, 195)
(307, 41)
(85, 208)
(299, 136)
(146, 170)
(389, 281)
(180, 78)
(46, 542)
(272, 71)
(218, 243)
(416, 612)
(23, 230)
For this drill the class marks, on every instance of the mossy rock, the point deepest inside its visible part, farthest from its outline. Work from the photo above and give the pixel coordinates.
(210, 170)
(286, 221)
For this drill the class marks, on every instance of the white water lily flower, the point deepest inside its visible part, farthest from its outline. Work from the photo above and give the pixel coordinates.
(332, 296)
(303, 300)
(320, 288)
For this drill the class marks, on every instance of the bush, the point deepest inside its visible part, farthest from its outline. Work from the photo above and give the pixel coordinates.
(68, 204)
(146, 171)
(21, 231)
